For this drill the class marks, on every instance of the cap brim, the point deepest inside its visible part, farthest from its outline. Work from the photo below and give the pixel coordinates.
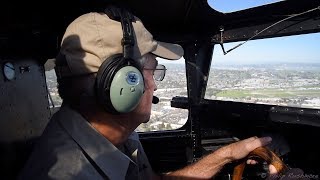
(168, 51)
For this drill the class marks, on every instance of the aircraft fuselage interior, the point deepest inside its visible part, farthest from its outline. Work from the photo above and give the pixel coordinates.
(31, 33)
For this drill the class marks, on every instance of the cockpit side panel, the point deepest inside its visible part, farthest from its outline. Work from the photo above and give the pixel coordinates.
(24, 109)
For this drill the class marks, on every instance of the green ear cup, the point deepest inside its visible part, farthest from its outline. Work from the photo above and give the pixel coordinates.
(126, 89)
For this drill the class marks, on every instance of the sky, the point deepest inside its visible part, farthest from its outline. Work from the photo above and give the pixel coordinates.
(294, 49)
(234, 5)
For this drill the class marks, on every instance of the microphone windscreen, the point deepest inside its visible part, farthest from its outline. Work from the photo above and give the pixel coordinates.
(155, 100)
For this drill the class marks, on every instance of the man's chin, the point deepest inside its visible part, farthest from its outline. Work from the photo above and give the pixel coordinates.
(146, 120)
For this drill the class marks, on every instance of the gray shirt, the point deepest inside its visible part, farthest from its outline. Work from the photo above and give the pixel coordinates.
(70, 148)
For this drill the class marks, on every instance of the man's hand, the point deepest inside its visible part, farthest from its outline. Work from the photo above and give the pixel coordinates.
(210, 165)
(241, 149)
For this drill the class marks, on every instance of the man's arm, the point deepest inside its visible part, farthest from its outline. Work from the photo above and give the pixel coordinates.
(211, 164)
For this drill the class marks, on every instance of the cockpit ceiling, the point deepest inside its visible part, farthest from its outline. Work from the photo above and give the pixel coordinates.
(196, 17)
(169, 20)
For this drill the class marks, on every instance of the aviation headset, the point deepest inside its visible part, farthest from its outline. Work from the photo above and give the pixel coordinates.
(119, 82)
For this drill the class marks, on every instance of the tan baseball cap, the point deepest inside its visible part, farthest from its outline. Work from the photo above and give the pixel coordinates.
(92, 38)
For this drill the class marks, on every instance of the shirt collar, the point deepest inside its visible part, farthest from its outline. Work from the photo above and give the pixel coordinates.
(110, 159)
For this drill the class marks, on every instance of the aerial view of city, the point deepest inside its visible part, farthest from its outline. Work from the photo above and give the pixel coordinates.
(295, 85)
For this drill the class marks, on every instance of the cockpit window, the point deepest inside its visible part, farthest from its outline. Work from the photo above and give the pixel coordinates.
(237, 5)
(54, 97)
(279, 71)
(163, 116)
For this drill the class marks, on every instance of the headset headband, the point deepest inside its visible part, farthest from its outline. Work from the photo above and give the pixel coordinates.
(126, 19)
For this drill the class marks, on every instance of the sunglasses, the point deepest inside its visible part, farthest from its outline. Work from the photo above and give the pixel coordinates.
(159, 72)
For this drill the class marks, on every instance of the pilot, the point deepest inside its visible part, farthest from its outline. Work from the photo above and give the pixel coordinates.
(106, 71)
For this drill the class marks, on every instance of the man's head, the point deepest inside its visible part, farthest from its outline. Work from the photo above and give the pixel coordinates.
(94, 37)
